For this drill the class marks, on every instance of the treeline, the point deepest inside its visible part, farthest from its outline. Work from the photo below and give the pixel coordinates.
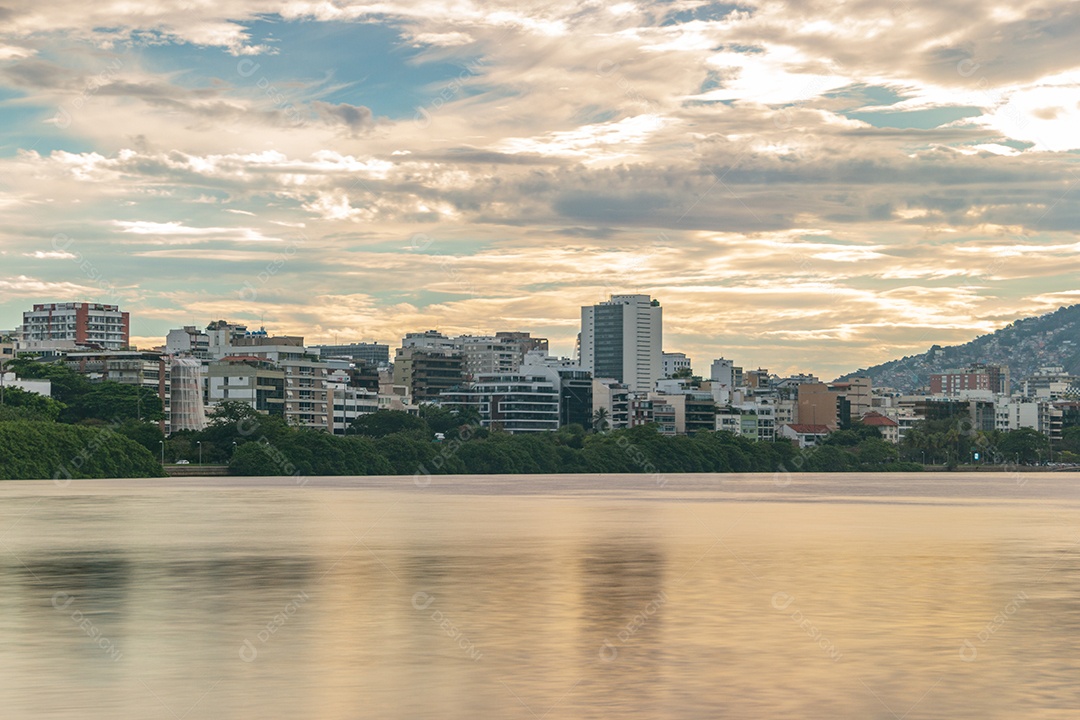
(41, 450)
(393, 443)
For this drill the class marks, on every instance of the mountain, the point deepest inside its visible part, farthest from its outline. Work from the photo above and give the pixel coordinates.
(1024, 345)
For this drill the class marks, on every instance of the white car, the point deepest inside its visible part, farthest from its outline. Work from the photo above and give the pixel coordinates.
(183, 462)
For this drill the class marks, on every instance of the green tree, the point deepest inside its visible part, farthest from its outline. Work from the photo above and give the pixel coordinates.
(114, 402)
(1023, 445)
(34, 405)
(146, 434)
(389, 422)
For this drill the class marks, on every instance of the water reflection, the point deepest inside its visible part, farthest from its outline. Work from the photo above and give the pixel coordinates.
(330, 602)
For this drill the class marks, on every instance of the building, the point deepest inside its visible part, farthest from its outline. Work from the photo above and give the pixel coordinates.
(693, 410)
(575, 385)
(487, 355)
(622, 339)
(676, 362)
(726, 374)
(307, 393)
(613, 399)
(373, 354)
(756, 379)
(76, 325)
(515, 403)
(188, 340)
(889, 428)
(804, 434)
(857, 392)
(994, 378)
(430, 340)
(254, 381)
(427, 373)
(836, 404)
(350, 399)
(818, 406)
(1049, 383)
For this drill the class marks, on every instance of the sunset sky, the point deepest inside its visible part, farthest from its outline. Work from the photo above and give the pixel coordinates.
(805, 186)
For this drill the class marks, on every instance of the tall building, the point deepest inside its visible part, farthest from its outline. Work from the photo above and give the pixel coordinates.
(622, 339)
(74, 325)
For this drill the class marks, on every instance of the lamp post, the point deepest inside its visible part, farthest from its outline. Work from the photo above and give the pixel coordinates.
(162, 444)
(199, 443)
(234, 447)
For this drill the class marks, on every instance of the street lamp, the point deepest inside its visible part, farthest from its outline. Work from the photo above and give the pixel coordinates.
(199, 443)
(234, 447)
(162, 444)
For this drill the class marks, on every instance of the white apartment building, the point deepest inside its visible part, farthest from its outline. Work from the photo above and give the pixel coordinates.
(70, 325)
(622, 339)
(674, 362)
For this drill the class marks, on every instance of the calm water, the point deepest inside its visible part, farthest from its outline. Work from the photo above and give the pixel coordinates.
(854, 596)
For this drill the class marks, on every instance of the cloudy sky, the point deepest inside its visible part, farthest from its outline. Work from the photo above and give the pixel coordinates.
(805, 185)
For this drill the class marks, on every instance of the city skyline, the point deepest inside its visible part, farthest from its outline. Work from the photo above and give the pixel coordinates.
(805, 187)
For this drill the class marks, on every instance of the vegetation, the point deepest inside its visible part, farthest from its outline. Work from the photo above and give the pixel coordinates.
(85, 430)
(34, 450)
(394, 443)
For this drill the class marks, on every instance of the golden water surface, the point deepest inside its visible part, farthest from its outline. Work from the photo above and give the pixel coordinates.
(851, 596)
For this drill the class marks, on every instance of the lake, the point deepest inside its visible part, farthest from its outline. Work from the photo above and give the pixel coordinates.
(684, 596)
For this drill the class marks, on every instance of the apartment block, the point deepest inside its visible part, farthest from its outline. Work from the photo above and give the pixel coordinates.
(994, 378)
(427, 372)
(76, 325)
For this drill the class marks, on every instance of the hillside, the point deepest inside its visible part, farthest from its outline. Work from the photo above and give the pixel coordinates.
(1025, 345)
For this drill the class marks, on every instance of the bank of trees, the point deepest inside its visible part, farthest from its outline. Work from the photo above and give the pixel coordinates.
(393, 443)
(41, 450)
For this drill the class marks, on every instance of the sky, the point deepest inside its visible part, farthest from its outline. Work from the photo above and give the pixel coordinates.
(806, 186)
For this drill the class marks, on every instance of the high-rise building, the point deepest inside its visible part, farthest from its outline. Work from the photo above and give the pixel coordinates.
(622, 339)
(76, 325)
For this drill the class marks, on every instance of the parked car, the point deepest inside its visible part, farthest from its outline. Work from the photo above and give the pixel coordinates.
(183, 462)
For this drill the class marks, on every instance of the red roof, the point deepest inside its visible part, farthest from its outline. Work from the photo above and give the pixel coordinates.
(878, 420)
(807, 429)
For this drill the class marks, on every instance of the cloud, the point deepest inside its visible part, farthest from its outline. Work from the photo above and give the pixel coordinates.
(789, 178)
(353, 118)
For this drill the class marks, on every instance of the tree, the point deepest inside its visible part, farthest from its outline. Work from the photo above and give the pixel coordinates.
(114, 402)
(600, 421)
(33, 405)
(1023, 445)
(389, 422)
